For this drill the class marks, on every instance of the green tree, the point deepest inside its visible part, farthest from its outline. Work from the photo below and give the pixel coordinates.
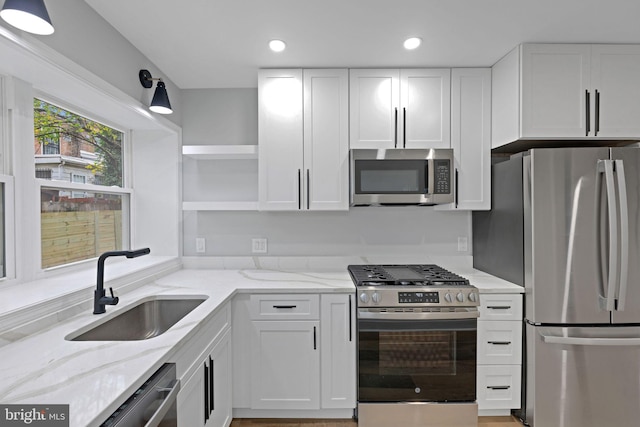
(52, 123)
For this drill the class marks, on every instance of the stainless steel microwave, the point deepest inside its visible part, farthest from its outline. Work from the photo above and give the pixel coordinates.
(402, 177)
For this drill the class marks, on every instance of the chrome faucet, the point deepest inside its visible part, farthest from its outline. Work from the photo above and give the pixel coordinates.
(99, 297)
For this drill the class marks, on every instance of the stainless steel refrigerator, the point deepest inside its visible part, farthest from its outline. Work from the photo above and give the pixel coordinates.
(579, 239)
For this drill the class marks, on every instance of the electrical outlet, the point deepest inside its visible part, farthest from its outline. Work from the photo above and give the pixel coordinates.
(259, 246)
(463, 244)
(200, 245)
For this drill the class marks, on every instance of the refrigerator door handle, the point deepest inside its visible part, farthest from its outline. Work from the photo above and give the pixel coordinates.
(606, 167)
(607, 342)
(624, 234)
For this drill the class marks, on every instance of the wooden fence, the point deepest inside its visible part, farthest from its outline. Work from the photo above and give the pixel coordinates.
(75, 236)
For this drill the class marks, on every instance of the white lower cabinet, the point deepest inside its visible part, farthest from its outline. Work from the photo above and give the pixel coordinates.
(204, 398)
(338, 351)
(302, 354)
(499, 363)
(204, 368)
(285, 365)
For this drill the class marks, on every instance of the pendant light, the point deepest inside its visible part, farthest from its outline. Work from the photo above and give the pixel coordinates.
(160, 103)
(28, 15)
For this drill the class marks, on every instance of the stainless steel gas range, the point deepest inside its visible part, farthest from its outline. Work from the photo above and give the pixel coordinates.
(416, 346)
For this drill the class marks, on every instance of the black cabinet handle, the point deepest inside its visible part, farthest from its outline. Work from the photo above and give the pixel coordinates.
(597, 113)
(498, 387)
(395, 129)
(499, 342)
(308, 189)
(456, 188)
(350, 321)
(284, 306)
(499, 307)
(314, 339)
(404, 128)
(299, 189)
(206, 393)
(587, 104)
(211, 387)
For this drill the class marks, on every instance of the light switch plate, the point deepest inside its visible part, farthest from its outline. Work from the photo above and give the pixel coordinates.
(200, 245)
(463, 244)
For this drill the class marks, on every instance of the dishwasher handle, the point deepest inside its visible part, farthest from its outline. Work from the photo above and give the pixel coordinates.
(169, 400)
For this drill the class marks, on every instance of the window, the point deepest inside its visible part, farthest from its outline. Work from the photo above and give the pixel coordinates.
(84, 208)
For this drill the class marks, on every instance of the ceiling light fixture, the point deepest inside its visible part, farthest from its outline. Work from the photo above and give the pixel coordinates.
(412, 43)
(160, 103)
(277, 45)
(28, 15)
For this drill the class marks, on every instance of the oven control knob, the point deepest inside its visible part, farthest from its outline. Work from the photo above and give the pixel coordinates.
(364, 298)
(460, 297)
(448, 297)
(473, 297)
(375, 297)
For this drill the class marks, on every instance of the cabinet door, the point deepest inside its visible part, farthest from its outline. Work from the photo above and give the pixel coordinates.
(326, 139)
(285, 367)
(190, 401)
(424, 116)
(555, 82)
(471, 138)
(220, 366)
(374, 102)
(338, 355)
(280, 134)
(616, 78)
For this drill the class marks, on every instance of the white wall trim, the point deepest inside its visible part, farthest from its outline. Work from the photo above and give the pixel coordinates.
(52, 67)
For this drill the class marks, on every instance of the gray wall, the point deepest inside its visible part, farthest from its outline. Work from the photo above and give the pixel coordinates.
(84, 37)
(230, 116)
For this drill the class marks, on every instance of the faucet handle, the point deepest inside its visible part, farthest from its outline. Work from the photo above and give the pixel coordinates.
(114, 298)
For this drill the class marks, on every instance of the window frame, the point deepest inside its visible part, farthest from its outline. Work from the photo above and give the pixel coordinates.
(8, 182)
(126, 191)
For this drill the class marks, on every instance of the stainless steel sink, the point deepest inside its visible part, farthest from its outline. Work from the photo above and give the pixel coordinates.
(149, 318)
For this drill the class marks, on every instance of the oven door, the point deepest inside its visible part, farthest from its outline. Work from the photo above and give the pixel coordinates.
(416, 360)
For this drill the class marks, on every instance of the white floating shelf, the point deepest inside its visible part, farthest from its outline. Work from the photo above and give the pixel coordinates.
(220, 152)
(219, 206)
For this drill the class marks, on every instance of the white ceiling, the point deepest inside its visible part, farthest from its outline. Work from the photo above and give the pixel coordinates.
(221, 44)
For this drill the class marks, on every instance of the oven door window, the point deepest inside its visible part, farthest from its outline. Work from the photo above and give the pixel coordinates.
(391, 177)
(421, 361)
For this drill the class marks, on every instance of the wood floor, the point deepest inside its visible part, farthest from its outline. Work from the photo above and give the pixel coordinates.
(255, 422)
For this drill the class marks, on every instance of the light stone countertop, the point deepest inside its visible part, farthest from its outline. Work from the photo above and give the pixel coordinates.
(95, 377)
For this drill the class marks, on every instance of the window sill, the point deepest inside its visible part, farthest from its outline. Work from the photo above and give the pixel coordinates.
(32, 306)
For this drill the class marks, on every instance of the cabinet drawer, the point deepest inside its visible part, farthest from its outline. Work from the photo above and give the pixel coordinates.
(500, 307)
(285, 307)
(499, 342)
(498, 387)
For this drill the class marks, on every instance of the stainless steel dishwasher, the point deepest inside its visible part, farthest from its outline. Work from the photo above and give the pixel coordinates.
(152, 405)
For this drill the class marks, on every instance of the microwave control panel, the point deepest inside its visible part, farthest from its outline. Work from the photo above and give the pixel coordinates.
(441, 176)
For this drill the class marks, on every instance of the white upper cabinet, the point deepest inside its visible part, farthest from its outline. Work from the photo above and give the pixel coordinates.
(615, 79)
(303, 139)
(326, 139)
(555, 83)
(566, 91)
(400, 108)
(471, 138)
(280, 155)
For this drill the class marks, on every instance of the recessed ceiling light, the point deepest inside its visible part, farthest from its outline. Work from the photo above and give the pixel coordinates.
(277, 45)
(412, 43)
